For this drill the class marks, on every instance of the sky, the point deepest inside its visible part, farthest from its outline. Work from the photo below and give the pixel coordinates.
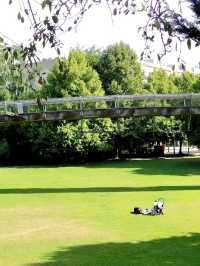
(97, 29)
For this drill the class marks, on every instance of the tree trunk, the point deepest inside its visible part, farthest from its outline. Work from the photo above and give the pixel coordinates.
(180, 147)
(188, 147)
(174, 146)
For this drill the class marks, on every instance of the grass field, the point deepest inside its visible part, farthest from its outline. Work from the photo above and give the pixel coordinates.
(80, 216)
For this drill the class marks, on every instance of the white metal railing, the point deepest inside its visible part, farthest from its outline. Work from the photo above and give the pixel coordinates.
(20, 104)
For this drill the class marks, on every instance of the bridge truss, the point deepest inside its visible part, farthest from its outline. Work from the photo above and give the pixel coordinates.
(92, 107)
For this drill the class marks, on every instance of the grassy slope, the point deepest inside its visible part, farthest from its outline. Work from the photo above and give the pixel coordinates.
(77, 216)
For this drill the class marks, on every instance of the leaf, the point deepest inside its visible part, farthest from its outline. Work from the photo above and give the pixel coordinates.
(50, 5)
(44, 3)
(19, 16)
(6, 55)
(70, 28)
(58, 51)
(15, 54)
(126, 11)
(43, 43)
(176, 47)
(115, 12)
(61, 66)
(26, 11)
(22, 19)
(189, 44)
(55, 19)
(51, 39)
(157, 25)
(1, 39)
(159, 57)
(46, 21)
(10, 2)
(183, 66)
(169, 40)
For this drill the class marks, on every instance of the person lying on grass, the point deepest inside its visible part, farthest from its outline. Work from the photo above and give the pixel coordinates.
(157, 209)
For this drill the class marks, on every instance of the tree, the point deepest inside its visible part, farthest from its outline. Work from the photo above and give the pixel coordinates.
(15, 80)
(178, 24)
(73, 76)
(173, 25)
(120, 70)
(93, 56)
(55, 16)
(82, 140)
(160, 82)
(88, 140)
(186, 82)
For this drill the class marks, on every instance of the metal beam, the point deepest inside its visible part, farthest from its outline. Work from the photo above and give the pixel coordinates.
(110, 98)
(21, 110)
(71, 115)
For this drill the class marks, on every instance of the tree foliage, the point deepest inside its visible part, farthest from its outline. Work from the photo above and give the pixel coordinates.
(15, 80)
(93, 72)
(120, 70)
(160, 82)
(50, 17)
(187, 82)
(173, 25)
(73, 76)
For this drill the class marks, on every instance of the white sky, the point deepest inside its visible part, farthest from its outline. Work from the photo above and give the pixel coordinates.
(96, 29)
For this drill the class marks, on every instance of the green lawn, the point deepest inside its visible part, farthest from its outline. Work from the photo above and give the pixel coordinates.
(80, 215)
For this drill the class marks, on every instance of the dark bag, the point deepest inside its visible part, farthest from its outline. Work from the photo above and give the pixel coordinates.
(136, 211)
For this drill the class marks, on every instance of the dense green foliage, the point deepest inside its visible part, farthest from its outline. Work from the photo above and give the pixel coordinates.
(161, 82)
(14, 79)
(120, 71)
(74, 77)
(115, 70)
(80, 215)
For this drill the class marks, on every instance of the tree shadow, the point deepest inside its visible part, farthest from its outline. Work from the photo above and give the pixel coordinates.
(176, 167)
(159, 166)
(177, 250)
(154, 166)
(95, 189)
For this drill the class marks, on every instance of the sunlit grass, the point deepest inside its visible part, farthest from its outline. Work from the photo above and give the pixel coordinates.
(81, 215)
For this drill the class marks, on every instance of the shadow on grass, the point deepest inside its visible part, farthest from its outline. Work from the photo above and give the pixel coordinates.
(179, 251)
(176, 167)
(95, 189)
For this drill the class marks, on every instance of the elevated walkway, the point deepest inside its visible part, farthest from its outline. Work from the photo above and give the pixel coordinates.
(92, 107)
